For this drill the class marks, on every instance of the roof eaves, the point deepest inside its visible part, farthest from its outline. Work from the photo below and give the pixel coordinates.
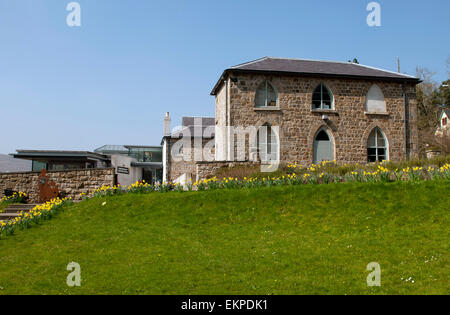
(388, 71)
(48, 153)
(219, 82)
(334, 75)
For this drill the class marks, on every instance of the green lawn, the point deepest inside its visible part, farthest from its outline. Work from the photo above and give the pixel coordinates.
(310, 239)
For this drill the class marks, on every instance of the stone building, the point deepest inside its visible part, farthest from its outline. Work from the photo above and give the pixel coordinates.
(308, 111)
(184, 147)
(322, 110)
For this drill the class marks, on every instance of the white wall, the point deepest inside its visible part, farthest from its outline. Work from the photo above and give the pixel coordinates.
(444, 115)
(220, 133)
(135, 173)
(164, 160)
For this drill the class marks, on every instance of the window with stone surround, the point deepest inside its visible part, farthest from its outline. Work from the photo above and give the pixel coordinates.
(375, 102)
(266, 95)
(322, 98)
(377, 146)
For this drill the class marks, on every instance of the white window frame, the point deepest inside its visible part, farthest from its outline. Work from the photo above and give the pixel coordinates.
(266, 105)
(266, 144)
(377, 147)
(322, 85)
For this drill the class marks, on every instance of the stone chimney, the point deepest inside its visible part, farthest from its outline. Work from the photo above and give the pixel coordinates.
(167, 122)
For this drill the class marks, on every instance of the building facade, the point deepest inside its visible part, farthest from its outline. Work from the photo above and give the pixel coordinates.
(314, 111)
(184, 147)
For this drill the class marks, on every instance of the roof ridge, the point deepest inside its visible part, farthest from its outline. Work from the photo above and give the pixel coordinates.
(330, 61)
(306, 59)
(250, 62)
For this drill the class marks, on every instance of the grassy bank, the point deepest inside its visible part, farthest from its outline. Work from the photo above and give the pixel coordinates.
(281, 240)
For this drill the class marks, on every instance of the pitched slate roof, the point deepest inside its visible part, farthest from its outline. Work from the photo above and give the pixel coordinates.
(203, 121)
(313, 67)
(196, 127)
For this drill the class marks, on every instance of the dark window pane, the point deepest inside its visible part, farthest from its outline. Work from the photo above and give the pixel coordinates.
(317, 98)
(322, 97)
(271, 95)
(372, 151)
(326, 98)
(322, 136)
(316, 104)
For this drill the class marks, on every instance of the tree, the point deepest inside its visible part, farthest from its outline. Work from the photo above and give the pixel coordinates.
(428, 103)
(444, 93)
(431, 99)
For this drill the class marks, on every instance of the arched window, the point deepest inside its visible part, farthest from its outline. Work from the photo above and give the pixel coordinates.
(375, 102)
(322, 97)
(267, 143)
(179, 151)
(266, 95)
(323, 146)
(377, 146)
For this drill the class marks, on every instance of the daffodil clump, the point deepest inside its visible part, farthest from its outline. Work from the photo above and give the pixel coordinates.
(376, 172)
(16, 197)
(105, 191)
(27, 218)
(138, 187)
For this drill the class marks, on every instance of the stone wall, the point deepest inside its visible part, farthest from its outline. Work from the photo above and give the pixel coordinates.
(349, 124)
(206, 170)
(186, 162)
(73, 182)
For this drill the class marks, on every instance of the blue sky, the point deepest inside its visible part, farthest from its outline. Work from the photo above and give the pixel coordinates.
(111, 80)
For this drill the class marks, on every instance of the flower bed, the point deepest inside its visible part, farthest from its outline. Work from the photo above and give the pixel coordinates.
(26, 219)
(17, 197)
(297, 175)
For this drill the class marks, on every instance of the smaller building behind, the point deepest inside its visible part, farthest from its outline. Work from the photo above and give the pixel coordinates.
(131, 162)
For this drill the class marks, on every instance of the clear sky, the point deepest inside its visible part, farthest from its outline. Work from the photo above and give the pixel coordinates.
(111, 80)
